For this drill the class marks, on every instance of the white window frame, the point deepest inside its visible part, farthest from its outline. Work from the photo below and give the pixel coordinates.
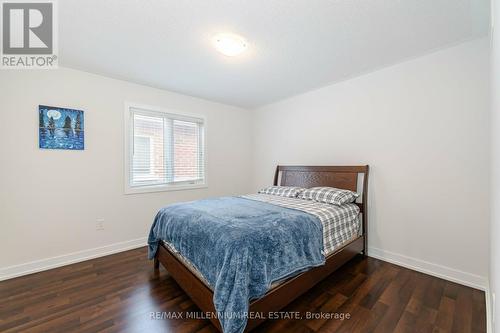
(128, 140)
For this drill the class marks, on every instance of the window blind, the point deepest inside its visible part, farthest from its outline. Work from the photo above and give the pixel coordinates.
(166, 149)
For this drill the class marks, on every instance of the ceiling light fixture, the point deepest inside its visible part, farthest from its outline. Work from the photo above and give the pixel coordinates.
(229, 45)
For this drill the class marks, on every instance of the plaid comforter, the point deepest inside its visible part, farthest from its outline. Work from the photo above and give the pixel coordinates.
(340, 223)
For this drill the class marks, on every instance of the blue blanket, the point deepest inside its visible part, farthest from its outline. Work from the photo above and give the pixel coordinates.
(240, 246)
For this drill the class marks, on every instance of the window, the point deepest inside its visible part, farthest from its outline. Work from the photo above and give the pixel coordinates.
(142, 155)
(165, 150)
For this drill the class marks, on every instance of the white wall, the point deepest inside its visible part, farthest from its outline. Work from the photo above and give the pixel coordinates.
(495, 170)
(423, 126)
(50, 199)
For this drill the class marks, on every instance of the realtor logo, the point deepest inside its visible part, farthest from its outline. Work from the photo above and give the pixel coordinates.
(28, 35)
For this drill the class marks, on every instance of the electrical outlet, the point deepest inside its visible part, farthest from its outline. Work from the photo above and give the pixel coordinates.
(99, 224)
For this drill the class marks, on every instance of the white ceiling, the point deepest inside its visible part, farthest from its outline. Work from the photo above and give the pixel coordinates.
(295, 45)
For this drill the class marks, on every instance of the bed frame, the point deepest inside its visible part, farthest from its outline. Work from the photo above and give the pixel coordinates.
(345, 177)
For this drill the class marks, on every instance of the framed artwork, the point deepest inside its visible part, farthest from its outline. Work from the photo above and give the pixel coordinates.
(60, 128)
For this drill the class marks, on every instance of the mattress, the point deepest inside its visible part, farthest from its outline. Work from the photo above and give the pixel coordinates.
(341, 225)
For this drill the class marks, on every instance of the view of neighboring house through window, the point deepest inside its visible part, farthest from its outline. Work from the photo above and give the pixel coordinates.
(166, 149)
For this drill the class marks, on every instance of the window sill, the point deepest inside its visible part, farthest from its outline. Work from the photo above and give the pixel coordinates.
(163, 188)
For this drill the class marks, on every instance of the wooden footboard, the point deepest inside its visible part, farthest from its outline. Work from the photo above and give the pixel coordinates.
(276, 299)
(190, 283)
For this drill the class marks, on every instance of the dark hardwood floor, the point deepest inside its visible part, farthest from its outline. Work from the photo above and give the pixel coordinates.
(119, 293)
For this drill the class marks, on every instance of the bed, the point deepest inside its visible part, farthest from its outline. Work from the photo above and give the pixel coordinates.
(284, 290)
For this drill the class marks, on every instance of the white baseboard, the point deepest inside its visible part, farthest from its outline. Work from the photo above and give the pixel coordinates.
(71, 258)
(489, 317)
(444, 272)
(426, 267)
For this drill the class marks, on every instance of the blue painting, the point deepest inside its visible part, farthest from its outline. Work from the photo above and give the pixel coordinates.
(60, 128)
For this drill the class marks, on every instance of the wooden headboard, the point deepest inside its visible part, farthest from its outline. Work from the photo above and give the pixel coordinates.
(344, 177)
